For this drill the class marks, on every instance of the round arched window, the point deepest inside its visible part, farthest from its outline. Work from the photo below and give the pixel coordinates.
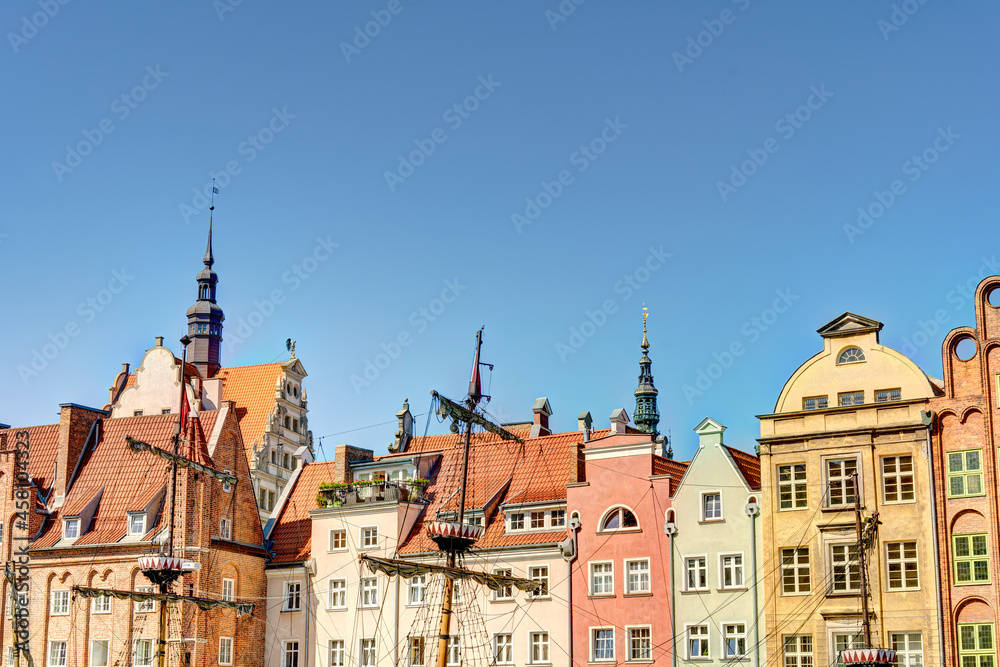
(851, 355)
(618, 518)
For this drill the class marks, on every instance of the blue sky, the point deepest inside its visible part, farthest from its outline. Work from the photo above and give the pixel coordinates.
(540, 168)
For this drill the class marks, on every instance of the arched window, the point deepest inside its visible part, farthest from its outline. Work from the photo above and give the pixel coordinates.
(618, 518)
(851, 355)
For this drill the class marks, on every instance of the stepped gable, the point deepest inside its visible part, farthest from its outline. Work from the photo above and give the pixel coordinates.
(293, 528)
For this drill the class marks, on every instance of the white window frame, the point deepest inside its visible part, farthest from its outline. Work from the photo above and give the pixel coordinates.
(413, 586)
(906, 656)
(792, 484)
(225, 528)
(704, 506)
(368, 585)
(75, 523)
(59, 602)
(592, 635)
(335, 652)
(723, 568)
(228, 592)
(222, 642)
(902, 561)
(855, 639)
(796, 566)
(454, 656)
(629, 646)
(687, 580)
(342, 534)
(536, 516)
(131, 529)
(507, 648)
(104, 607)
(287, 598)
(411, 643)
(619, 509)
(546, 579)
(287, 652)
(628, 579)
(148, 662)
(520, 519)
(366, 539)
(363, 648)
(798, 653)
(846, 480)
(107, 652)
(557, 520)
(705, 639)
(146, 606)
(334, 592)
(847, 565)
(504, 592)
(51, 660)
(726, 636)
(607, 574)
(898, 476)
(544, 645)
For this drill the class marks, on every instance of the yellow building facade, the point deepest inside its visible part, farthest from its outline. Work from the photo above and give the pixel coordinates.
(855, 406)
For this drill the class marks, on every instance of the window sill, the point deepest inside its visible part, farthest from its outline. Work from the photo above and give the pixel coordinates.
(696, 590)
(841, 508)
(603, 596)
(619, 530)
(639, 594)
(502, 600)
(957, 583)
(793, 509)
(639, 662)
(843, 594)
(336, 608)
(534, 598)
(290, 611)
(726, 589)
(704, 521)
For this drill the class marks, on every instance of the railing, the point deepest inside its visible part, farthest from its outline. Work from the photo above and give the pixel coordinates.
(369, 492)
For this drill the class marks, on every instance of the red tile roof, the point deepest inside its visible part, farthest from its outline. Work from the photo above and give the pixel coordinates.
(433, 443)
(43, 449)
(665, 466)
(748, 465)
(252, 388)
(292, 531)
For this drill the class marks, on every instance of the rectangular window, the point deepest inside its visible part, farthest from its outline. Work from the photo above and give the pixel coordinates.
(539, 647)
(798, 651)
(503, 649)
(136, 524)
(887, 395)
(60, 603)
(290, 654)
(101, 605)
(337, 656)
(416, 651)
(454, 650)
(851, 398)
(711, 506)
(637, 576)
(538, 519)
(369, 592)
(541, 575)
(57, 654)
(558, 518)
(292, 596)
(696, 573)
(337, 594)
(792, 486)
(840, 482)
(71, 529)
(225, 530)
(731, 566)
(418, 589)
(504, 592)
(228, 590)
(846, 573)
(697, 642)
(734, 639)
(795, 571)
(602, 645)
(602, 578)
(909, 648)
(144, 606)
(965, 473)
(897, 479)
(972, 559)
(845, 641)
(517, 521)
(143, 653)
(814, 403)
(99, 653)
(975, 645)
(640, 644)
(901, 561)
(225, 650)
(367, 653)
(338, 540)
(369, 537)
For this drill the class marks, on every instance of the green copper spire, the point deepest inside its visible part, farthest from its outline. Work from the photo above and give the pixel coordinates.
(646, 415)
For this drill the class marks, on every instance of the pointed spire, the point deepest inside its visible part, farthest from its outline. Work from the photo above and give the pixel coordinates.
(645, 314)
(647, 415)
(209, 260)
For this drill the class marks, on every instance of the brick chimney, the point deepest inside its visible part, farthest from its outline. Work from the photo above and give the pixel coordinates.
(75, 422)
(540, 423)
(344, 456)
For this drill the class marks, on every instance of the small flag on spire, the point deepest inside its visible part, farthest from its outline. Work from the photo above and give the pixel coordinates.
(215, 190)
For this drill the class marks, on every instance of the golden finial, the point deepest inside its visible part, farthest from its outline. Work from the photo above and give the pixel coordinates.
(645, 314)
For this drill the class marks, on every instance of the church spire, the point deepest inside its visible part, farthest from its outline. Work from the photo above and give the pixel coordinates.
(646, 415)
(205, 317)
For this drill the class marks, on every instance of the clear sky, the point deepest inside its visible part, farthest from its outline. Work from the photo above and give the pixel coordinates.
(403, 170)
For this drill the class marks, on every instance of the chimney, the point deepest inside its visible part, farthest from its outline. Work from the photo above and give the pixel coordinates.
(75, 422)
(585, 423)
(619, 422)
(344, 456)
(540, 423)
(405, 429)
(159, 341)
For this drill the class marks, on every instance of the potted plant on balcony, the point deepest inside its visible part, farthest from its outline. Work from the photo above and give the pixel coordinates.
(416, 487)
(331, 494)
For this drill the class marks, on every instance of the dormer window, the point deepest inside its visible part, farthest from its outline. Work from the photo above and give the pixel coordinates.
(137, 524)
(71, 529)
(851, 355)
